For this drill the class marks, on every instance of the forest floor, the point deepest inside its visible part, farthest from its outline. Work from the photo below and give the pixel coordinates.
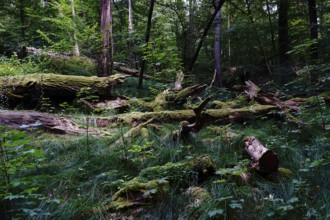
(149, 173)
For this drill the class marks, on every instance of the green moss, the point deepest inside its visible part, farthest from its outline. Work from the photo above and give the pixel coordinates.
(284, 172)
(160, 103)
(136, 192)
(197, 196)
(229, 104)
(183, 173)
(175, 173)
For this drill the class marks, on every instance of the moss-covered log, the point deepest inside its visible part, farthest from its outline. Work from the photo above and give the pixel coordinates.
(174, 99)
(209, 116)
(152, 182)
(31, 87)
(136, 192)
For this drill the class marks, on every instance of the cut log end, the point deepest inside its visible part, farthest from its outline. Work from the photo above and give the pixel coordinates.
(263, 159)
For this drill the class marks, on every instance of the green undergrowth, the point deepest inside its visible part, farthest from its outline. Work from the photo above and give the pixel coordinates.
(80, 174)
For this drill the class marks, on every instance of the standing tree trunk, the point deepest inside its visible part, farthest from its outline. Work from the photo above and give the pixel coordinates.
(22, 19)
(190, 35)
(203, 37)
(217, 51)
(76, 51)
(314, 36)
(271, 28)
(131, 36)
(229, 40)
(144, 60)
(106, 61)
(283, 33)
(286, 73)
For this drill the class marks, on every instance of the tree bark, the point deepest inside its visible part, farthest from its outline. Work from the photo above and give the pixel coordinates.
(190, 35)
(76, 50)
(283, 33)
(106, 61)
(203, 37)
(31, 120)
(131, 36)
(217, 51)
(144, 60)
(271, 28)
(209, 116)
(32, 87)
(263, 159)
(313, 36)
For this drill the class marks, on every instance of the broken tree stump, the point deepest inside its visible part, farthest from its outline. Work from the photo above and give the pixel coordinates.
(263, 160)
(186, 127)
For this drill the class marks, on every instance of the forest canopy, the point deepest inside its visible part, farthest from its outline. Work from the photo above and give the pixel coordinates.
(264, 39)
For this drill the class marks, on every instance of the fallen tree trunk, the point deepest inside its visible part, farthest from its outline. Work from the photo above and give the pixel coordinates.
(209, 116)
(31, 87)
(31, 120)
(57, 124)
(122, 68)
(133, 132)
(170, 99)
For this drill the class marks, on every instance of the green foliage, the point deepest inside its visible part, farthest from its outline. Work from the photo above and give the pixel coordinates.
(162, 58)
(18, 157)
(85, 98)
(13, 66)
(141, 152)
(45, 105)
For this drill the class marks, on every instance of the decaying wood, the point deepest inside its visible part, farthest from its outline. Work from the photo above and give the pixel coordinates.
(154, 182)
(137, 130)
(170, 99)
(263, 159)
(326, 96)
(186, 127)
(57, 124)
(32, 87)
(178, 81)
(123, 68)
(31, 120)
(252, 89)
(209, 116)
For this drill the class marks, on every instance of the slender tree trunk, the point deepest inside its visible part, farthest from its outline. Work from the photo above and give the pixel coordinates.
(271, 28)
(229, 40)
(217, 51)
(106, 62)
(76, 50)
(22, 19)
(203, 37)
(131, 35)
(144, 60)
(190, 37)
(283, 33)
(314, 36)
